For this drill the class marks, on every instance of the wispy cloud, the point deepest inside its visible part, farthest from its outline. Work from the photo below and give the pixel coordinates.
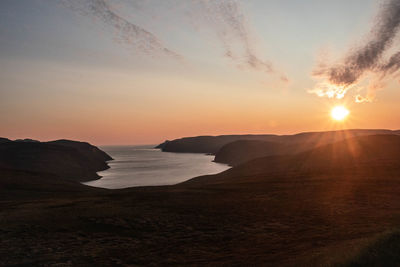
(225, 18)
(228, 21)
(368, 58)
(125, 31)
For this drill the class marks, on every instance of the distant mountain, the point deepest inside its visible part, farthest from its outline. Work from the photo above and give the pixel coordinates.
(362, 154)
(207, 144)
(337, 204)
(66, 159)
(212, 144)
(244, 150)
(27, 140)
(241, 151)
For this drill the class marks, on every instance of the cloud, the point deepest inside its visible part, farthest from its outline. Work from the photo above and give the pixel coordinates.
(326, 89)
(372, 89)
(125, 31)
(368, 58)
(391, 65)
(225, 17)
(362, 99)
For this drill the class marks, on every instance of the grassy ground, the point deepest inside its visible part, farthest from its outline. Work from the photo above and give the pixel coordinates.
(281, 220)
(333, 206)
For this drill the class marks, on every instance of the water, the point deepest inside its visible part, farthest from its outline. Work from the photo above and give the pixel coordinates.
(145, 166)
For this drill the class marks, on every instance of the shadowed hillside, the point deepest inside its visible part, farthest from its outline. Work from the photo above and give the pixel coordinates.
(71, 160)
(211, 144)
(241, 151)
(3, 140)
(206, 144)
(375, 153)
(335, 205)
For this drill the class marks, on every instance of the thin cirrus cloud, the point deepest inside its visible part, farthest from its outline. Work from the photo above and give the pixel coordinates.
(368, 58)
(125, 31)
(224, 17)
(232, 29)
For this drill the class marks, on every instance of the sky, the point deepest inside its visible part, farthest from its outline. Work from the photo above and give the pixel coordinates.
(141, 72)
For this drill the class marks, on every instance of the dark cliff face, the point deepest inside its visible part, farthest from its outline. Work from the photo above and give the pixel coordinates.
(65, 159)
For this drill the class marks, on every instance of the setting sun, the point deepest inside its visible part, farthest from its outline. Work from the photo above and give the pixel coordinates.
(339, 113)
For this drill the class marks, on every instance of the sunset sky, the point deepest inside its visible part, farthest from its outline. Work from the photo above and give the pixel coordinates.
(140, 72)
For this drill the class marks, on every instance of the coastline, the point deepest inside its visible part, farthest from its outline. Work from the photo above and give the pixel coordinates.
(295, 210)
(135, 166)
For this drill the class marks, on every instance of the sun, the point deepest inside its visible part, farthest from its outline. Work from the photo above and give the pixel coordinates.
(339, 113)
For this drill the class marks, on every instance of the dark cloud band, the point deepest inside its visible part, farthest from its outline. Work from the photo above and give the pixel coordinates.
(369, 56)
(370, 62)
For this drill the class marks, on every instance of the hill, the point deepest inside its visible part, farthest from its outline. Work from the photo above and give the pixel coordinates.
(4, 140)
(206, 144)
(211, 144)
(359, 154)
(70, 160)
(241, 151)
(335, 205)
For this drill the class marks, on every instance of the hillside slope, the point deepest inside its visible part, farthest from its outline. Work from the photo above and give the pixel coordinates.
(364, 154)
(70, 160)
(211, 144)
(336, 205)
(241, 151)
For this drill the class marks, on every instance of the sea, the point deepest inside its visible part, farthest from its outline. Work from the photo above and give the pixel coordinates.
(146, 166)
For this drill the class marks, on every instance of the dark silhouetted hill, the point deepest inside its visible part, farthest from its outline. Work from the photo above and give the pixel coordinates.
(244, 150)
(70, 160)
(211, 144)
(27, 140)
(241, 151)
(362, 154)
(91, 152)
(3, 140)
(337, 204)
(206, 144)
(27, 185)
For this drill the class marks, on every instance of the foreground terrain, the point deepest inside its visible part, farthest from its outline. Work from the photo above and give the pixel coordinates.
(334, 205)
